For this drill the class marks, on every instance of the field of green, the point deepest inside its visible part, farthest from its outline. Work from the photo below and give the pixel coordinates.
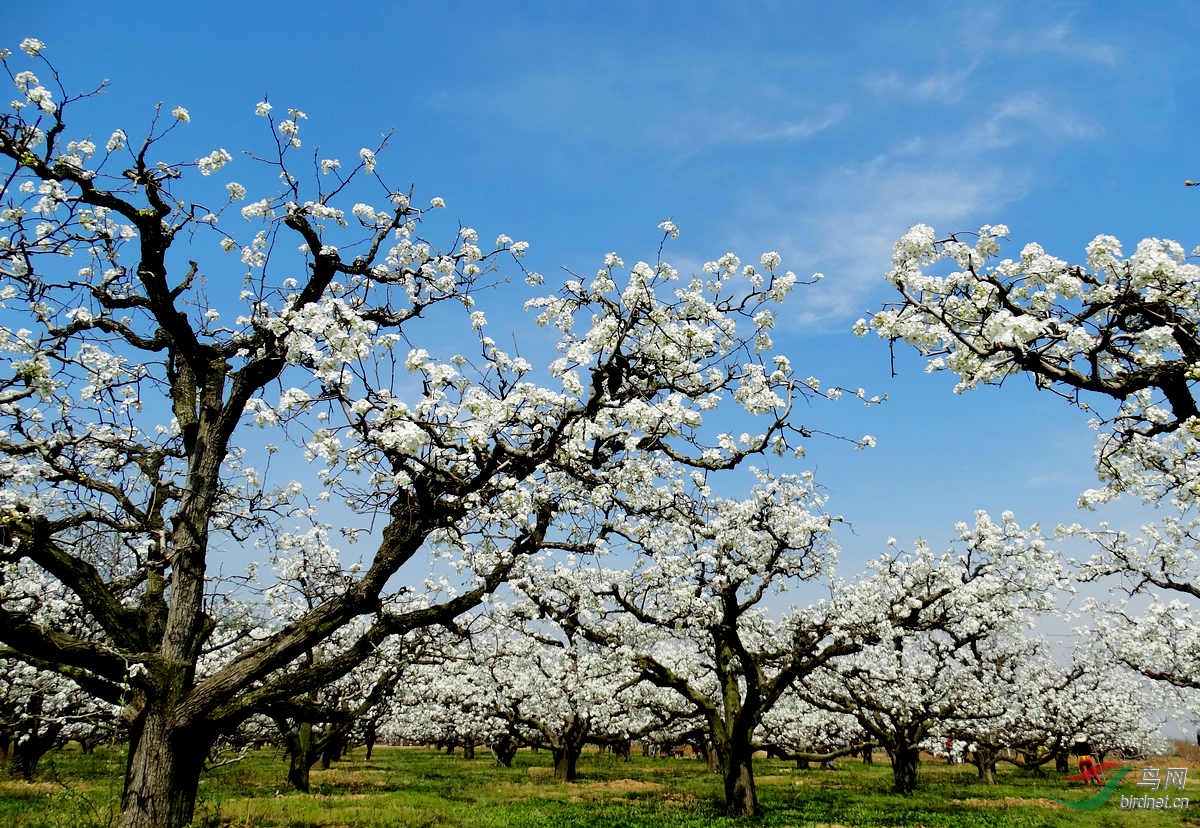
(414, 787)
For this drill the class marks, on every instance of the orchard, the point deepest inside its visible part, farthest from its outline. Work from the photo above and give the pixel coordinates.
(268, 476)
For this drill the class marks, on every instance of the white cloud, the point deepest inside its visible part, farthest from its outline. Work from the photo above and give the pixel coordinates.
(1018, 118)
(665, 103)
(1062, 40)
(947, 86)
(866, 209)
(806, 127)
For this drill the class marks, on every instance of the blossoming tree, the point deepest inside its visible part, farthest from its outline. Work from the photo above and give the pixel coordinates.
(690, 612)
(307, 570)
(1118, 329)
(1049, 704)
(135, 375)
(547, 691)
(950, 629)
(40, 708)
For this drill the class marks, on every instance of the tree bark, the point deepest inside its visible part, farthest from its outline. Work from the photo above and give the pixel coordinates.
(566, 746)
(300, 746)
(27, 753)
(333, 748)
(37, 737)
(712, 760)
(371, 735)
(740, 796)
(505, 749)
(565, 760)
(905, 761)
(162, 773)
(985, 763)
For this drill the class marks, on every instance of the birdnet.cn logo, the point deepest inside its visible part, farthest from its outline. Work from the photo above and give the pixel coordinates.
(1158, 784)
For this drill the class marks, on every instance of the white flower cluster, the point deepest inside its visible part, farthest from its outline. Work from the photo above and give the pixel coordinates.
(212, 162)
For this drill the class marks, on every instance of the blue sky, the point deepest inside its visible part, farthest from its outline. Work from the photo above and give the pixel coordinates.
(819, 130)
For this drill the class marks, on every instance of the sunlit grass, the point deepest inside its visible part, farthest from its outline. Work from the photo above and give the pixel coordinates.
(414, 787)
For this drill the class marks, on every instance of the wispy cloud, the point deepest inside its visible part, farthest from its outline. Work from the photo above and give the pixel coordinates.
(1019, 118)
(954, 145)
(947, 85)
(804, 128)
(817, 157)
(1062, 39)
(867, 208)
(663, 104)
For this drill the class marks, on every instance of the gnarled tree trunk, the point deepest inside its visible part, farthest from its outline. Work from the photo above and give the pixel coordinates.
(565, 761)
(985, 763)
(162, 773)
(38, 736)
(505, 749)
(300, 755)
(567, 746)
(905, 761)
(738, 773)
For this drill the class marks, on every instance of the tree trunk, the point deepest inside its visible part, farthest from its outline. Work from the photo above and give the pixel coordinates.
(985, 763)
(1062, 761)
(27, 753)
(24, 760)
(469, 749)
(565, 759)
(905, 760)
(162, 773)
(297, 775)
(712, 759)
(868, 755)
(333, 749)
(37, 737)
(371, 736)
(567, 745)
(505, 749)
(740, 796)
(300, 745)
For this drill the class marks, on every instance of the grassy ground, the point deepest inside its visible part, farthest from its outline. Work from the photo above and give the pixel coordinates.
(409, 787)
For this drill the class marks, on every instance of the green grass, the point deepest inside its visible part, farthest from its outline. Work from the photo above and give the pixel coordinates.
(410, 787)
